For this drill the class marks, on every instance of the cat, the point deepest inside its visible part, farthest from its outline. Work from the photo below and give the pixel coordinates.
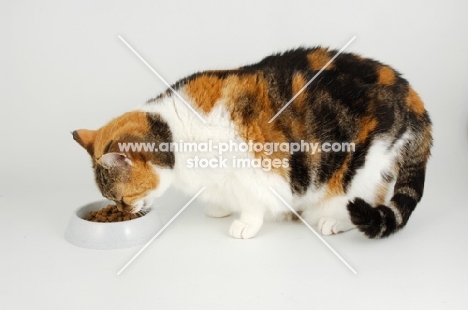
(361, 102)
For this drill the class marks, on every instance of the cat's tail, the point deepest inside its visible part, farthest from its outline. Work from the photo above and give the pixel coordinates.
(383, 220)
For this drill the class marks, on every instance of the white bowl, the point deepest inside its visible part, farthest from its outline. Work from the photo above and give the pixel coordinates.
(107, 236)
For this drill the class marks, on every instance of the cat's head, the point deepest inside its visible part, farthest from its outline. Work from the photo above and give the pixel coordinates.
(130, 177)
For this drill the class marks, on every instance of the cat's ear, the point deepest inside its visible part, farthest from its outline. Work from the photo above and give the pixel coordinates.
(85, 138)
(115, 160)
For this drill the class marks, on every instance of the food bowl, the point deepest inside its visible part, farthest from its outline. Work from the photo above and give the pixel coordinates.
(107, 236)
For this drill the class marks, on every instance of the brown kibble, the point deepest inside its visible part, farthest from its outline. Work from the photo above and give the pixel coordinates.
(110, 214)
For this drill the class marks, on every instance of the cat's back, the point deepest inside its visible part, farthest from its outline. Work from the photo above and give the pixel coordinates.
(318, 85)
(346, 78)
(308, 93)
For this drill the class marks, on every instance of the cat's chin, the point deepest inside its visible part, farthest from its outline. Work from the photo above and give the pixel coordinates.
(143, 205)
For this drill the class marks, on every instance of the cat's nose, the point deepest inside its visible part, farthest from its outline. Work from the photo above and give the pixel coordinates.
(122, 207)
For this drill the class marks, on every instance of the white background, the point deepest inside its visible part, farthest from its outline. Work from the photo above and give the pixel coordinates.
(62, 67)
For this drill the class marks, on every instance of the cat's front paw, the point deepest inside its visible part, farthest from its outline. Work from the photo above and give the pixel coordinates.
(242, 230)
(330, 226)
(216, 211)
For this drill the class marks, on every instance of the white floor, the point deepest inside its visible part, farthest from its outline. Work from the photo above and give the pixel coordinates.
(194, 264)
(62, 67)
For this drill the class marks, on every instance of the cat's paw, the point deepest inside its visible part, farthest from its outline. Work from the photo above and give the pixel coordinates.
(242, 230)
(216, 211)
(330, 226)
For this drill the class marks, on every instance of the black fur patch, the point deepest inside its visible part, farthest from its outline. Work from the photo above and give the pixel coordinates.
(357, 161)
(159, 133)
(389, 220)
(245, 106)
(376, 222)
(405, 204)
(299, 174)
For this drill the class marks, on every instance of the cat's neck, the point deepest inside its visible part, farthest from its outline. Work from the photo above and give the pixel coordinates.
(186, 125)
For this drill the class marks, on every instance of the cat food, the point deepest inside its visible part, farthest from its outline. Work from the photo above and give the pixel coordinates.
(110, 214)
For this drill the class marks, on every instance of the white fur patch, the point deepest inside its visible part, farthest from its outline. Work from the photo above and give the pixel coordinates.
(243, 190)
(165, 176)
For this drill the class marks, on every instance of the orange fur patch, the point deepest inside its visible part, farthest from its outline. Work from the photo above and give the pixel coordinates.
(414, 102)
(386, 76)
(381, 194)
(134, 122)
(335, 184)
(250, 107)
(85, 138)
(359, 57)
(318, 59)
(368, 124)
(205, 90)
(298, 82)
(142, 180)
(297, 126)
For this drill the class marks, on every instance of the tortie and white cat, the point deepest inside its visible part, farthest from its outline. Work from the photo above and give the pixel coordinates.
(375, 186)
